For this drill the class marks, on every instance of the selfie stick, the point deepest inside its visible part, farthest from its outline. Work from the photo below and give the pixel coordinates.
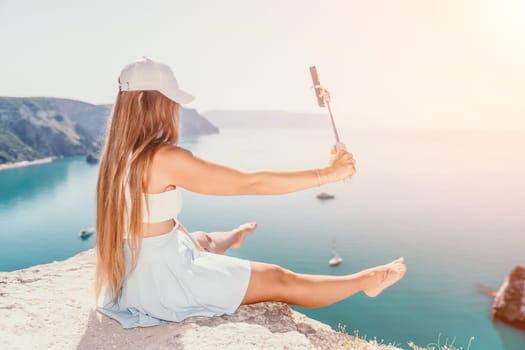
(323, 100)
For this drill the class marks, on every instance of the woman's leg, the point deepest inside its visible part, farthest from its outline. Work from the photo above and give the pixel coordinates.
(219, 242)
(270, 282)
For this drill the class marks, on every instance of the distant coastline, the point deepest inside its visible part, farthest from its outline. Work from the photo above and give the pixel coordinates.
(25, 163)
(37, 127)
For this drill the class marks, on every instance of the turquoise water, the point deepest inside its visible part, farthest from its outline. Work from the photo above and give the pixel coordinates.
(450, 202)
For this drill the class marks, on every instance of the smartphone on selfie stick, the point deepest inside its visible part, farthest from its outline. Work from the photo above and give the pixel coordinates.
(323, 100)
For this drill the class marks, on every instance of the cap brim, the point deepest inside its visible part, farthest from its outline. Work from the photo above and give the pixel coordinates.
(179, 96)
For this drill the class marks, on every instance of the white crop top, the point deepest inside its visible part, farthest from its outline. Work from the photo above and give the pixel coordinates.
(162, 206)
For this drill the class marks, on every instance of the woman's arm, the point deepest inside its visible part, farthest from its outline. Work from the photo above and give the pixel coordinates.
(182, 168)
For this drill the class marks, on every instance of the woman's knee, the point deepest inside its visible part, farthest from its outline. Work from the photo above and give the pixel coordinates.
(203, 239)
(268, 282)
(286, 278)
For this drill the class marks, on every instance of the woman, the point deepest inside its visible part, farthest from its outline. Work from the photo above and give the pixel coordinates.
(151, 268)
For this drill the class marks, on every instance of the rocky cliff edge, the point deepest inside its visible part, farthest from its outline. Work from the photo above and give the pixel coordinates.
(51, 306)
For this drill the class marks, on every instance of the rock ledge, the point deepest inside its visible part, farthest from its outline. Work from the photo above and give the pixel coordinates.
(51, 306)
(509, 303)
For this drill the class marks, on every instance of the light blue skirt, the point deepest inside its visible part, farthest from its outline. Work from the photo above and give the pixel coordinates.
(173, 281)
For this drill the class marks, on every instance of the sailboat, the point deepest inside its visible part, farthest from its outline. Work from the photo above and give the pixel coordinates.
(335, 260)
(86, 232)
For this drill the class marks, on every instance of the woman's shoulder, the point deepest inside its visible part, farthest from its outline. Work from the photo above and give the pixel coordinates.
(168, 156)
(165, 167)
(171, 151)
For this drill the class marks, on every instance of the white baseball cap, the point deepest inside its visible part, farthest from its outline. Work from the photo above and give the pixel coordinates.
(147, 74)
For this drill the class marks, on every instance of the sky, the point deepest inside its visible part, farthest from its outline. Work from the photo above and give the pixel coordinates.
(392, 63)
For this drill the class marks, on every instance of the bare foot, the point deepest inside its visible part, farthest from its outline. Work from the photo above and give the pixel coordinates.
(242, 231)
(384, 276)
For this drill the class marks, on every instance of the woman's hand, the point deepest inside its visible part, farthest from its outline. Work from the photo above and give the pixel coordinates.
(340, 167)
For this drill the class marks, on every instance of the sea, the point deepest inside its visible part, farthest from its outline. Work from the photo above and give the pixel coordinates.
(451, 202)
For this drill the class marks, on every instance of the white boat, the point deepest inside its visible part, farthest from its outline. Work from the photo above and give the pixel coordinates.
(336, 260)
(324, 195)
(86, 232)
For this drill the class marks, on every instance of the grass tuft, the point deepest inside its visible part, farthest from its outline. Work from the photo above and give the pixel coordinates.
(357, 342)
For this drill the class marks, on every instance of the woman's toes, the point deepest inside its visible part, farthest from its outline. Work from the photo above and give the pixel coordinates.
(384, 276)
(243, 230)
(247, 228)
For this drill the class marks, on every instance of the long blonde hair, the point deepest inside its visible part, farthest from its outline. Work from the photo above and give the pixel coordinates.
(141, 122)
